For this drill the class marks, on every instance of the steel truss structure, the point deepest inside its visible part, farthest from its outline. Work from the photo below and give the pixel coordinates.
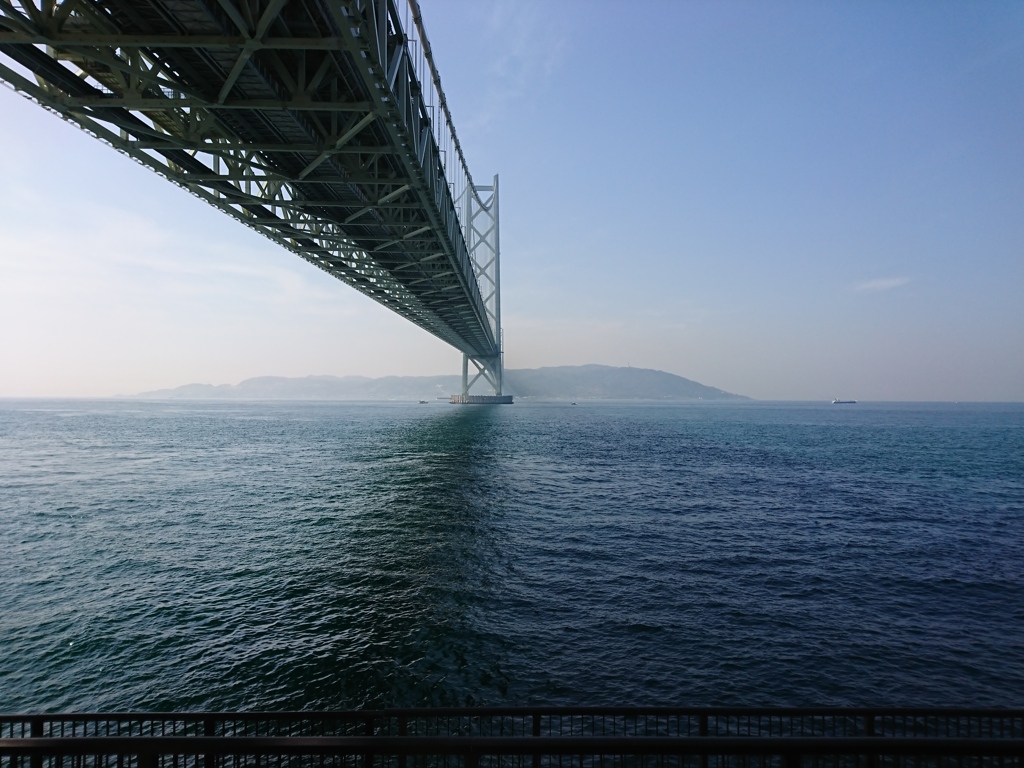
(321, 124)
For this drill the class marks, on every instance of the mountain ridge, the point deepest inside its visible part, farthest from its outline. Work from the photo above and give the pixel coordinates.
(575, 382)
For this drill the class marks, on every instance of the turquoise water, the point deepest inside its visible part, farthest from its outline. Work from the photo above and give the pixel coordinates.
(273, 556)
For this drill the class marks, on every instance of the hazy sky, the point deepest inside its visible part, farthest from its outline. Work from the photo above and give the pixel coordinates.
(785, 200)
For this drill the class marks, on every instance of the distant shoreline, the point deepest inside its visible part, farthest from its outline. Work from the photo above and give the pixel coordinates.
(579, 382)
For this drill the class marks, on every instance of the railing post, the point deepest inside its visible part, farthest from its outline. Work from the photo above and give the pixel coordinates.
(869, 730)
(791, 760)
(471, 760)
(209, 760)
(368, 756)
(536, 733)
(704, 732)
(36, 732)
(403, 730)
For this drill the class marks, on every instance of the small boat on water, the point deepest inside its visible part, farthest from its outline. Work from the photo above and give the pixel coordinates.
(837, 401)
(423, 402)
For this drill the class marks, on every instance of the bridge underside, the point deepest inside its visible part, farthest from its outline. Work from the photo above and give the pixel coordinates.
(304, 119)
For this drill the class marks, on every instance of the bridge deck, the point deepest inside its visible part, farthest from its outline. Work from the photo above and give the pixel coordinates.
(304, 119)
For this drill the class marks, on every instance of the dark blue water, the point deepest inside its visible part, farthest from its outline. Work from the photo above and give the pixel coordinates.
(223, 556)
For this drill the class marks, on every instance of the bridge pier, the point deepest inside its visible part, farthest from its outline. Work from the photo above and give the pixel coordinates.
(490, 370)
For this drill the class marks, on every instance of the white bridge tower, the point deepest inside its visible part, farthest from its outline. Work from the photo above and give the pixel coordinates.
(483, 242)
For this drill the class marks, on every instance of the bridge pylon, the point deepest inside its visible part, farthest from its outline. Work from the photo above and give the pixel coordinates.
(480, 209)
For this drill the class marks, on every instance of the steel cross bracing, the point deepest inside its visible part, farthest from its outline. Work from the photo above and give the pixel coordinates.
(481, 218)
(319, 123)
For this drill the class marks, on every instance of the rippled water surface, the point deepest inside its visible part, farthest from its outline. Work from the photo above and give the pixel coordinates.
(224, 556)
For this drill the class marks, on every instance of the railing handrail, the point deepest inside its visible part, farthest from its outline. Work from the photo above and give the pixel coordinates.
(717, 711)
(521, 745)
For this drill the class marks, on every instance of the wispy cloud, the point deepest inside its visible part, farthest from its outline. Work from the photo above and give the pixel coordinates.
(525, 48)
(881, 284)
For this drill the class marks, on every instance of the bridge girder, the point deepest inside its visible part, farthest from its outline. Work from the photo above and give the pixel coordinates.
(306, 120)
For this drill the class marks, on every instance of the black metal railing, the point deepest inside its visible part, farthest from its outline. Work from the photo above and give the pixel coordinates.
(521, 738)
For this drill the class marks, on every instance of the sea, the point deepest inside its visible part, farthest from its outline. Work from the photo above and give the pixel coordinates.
(186, 555)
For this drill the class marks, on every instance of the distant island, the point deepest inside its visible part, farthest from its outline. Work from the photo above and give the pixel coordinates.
(566, 382)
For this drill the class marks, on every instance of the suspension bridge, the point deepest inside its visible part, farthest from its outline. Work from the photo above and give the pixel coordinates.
(321, 124)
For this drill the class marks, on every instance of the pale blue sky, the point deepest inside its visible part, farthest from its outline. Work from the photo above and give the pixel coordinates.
(786, 200)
